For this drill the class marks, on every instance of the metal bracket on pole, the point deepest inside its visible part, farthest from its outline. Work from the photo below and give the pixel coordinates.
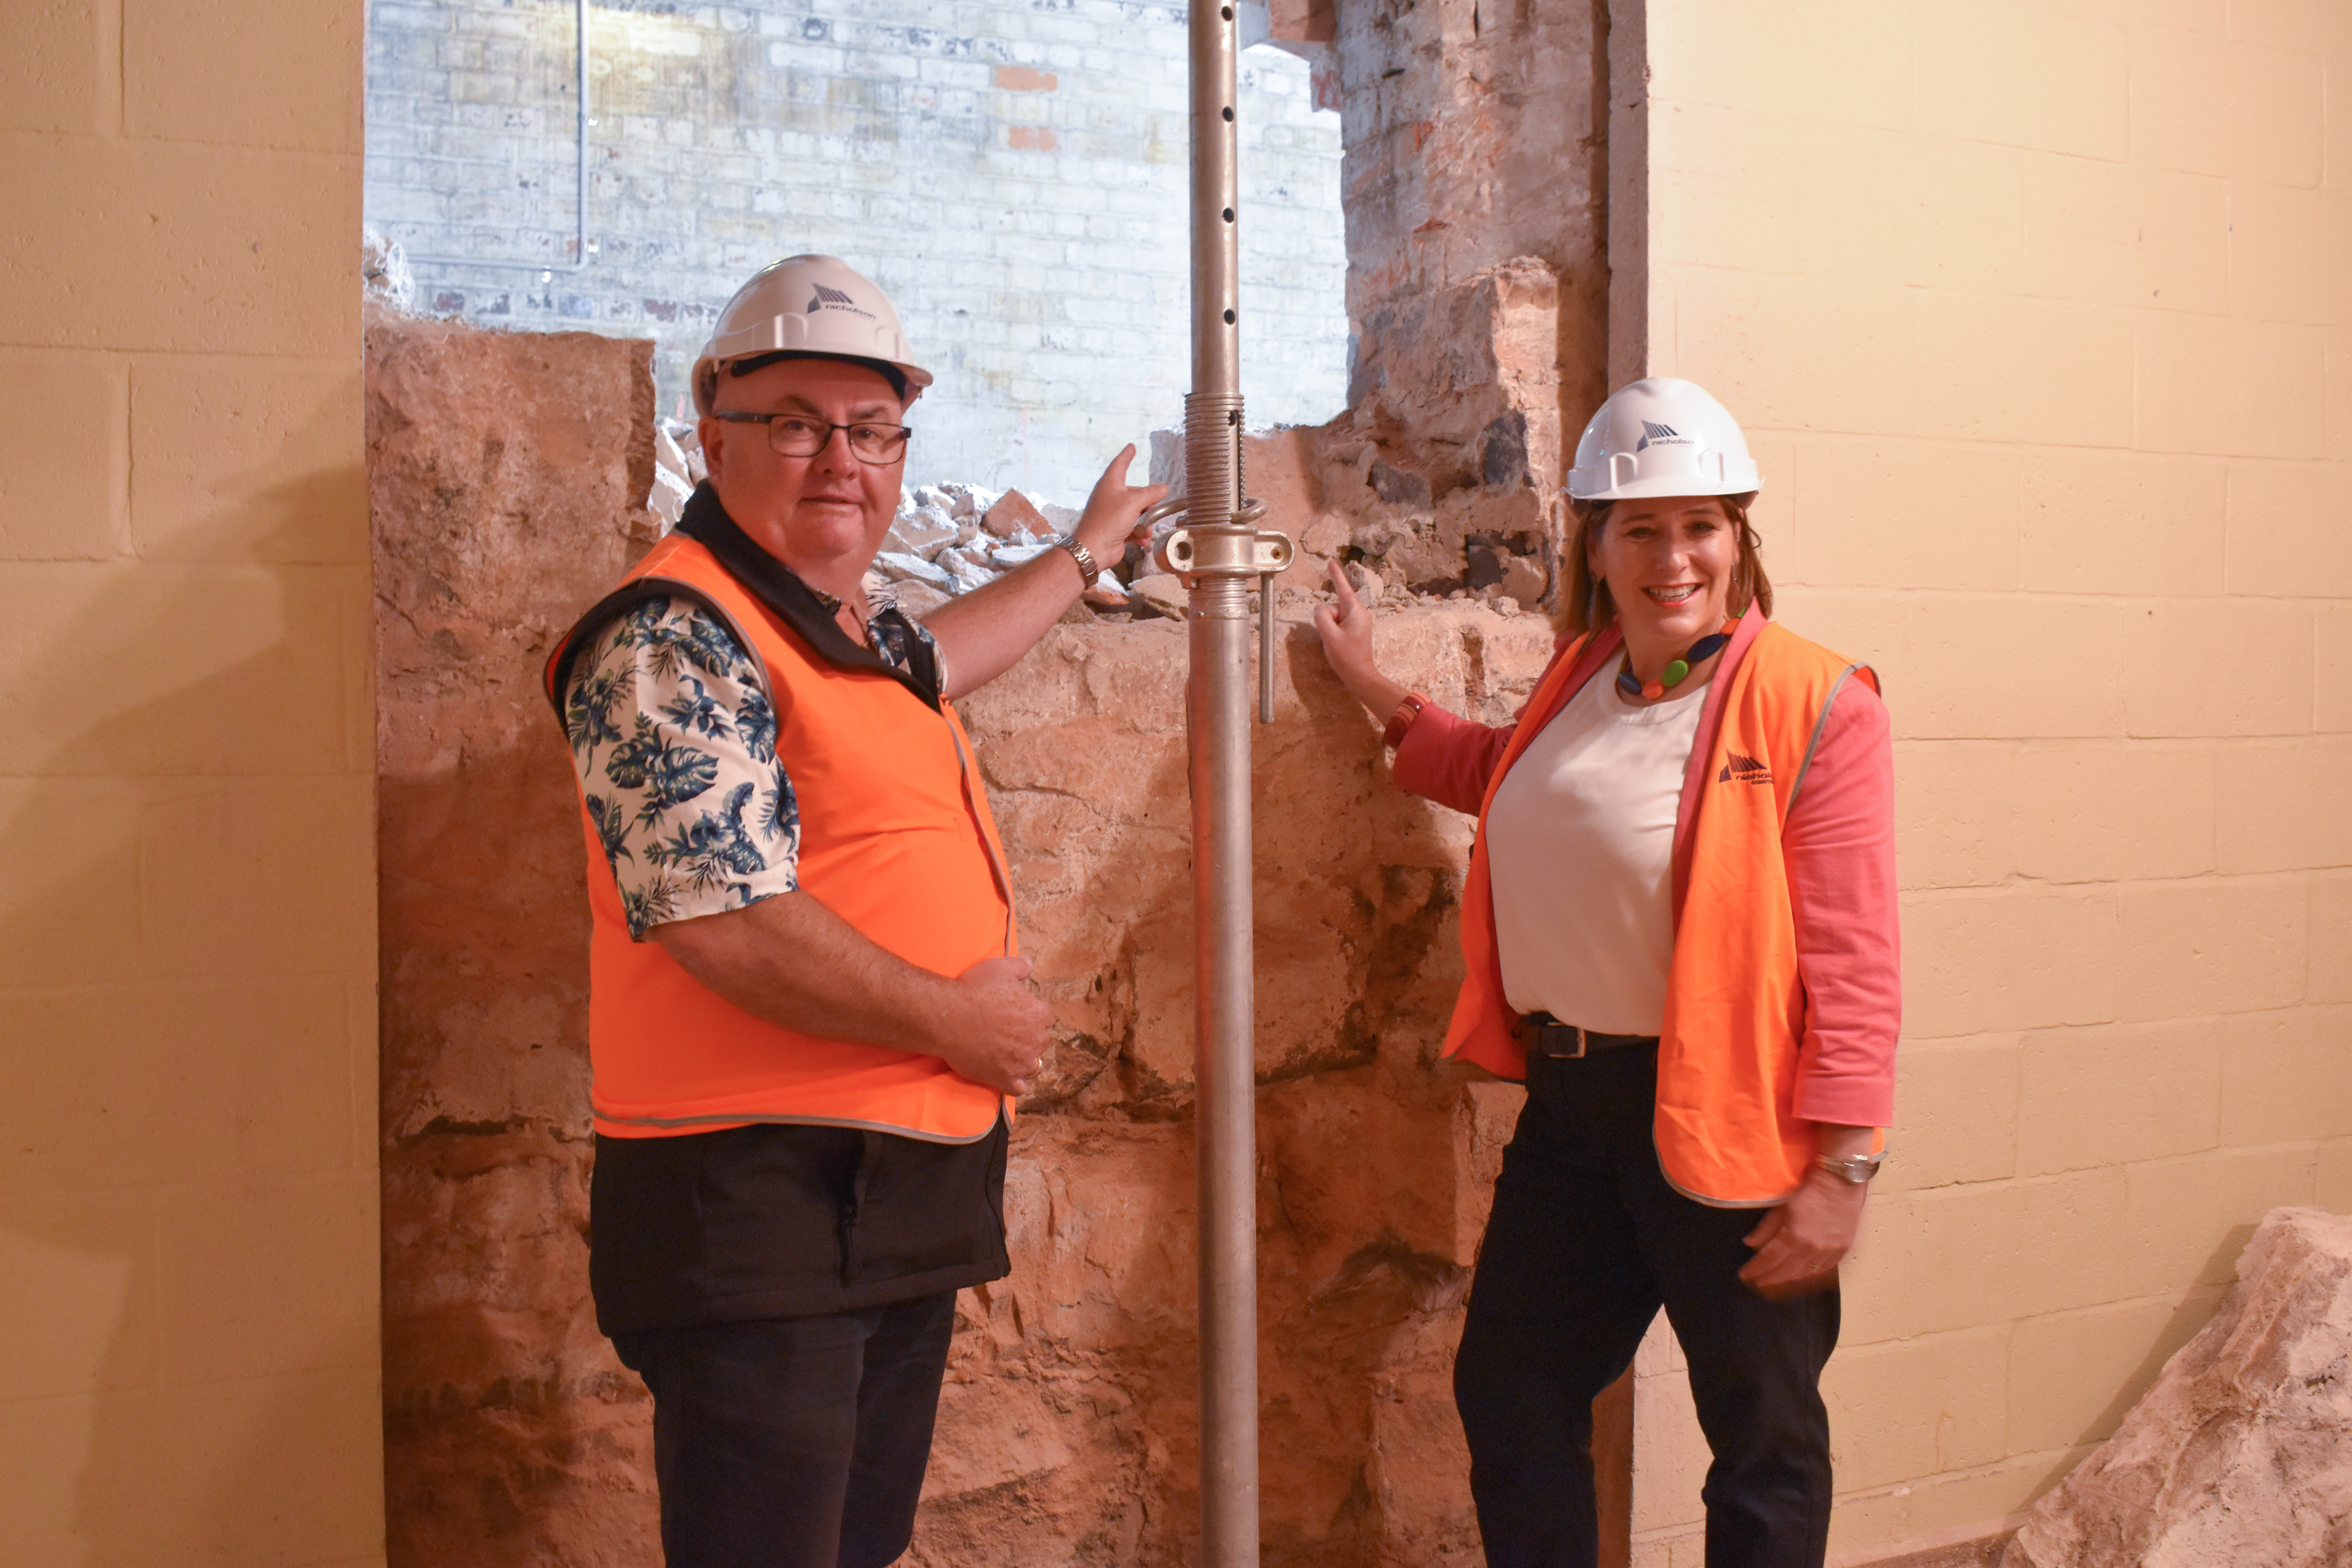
(1192, 554)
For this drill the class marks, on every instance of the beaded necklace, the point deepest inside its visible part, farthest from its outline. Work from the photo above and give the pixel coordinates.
(1677, 671)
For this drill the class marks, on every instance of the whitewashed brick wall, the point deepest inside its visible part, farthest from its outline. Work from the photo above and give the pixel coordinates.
(1012, 172)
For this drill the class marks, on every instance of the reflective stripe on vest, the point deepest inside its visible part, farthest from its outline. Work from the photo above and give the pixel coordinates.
(1726, 1131)
(896, 838)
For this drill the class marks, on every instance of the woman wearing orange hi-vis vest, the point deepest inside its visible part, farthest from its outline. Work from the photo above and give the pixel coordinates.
(1679, 930)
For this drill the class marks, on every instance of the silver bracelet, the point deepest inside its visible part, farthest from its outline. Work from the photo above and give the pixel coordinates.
(1855, 1168)
(1082, 555)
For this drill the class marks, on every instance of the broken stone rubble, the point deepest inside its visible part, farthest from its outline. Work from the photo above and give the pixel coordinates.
(2241, 1452)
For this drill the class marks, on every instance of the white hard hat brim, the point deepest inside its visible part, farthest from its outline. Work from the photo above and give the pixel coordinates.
(1665, 471)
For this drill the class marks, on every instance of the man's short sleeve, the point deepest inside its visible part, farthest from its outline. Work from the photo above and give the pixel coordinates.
(675, 743)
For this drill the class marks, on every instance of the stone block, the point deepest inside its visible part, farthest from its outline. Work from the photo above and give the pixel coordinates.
(245, 460)
(2140, 523)
(82, 1317)
(1797, 353)
(2236, 1455)
(2206, 383)
(2016, 958)
(1916, 1407)
(2281, 239)
(2269, 792)
(174, 1083)
(2003, 368)
(2331, 938)
(2071, 1375)
(291, 95)
(2215, 944)
(2148, 238)
(260, 1278)
(1957, 1107)
(2104, 811)
(59, 69)
(2286, 539)
(2172, 685)
(1956, 816)
(1959, 503)
(2185, 1219)
(1989, 1253)
(273, 230)
(63, 480)
(2285, 1076)
(2117, 1093)
(2024, 76)
(205, 907)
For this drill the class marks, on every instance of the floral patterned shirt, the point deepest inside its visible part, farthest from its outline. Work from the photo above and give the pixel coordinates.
(675, 743)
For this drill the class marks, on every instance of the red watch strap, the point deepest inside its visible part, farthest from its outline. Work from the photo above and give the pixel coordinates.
(1401, 719)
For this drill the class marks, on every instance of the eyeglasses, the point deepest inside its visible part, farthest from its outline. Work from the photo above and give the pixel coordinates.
(798, 436)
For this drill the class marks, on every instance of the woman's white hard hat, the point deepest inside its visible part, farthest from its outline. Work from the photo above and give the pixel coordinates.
(1662, 436)
(811, 305)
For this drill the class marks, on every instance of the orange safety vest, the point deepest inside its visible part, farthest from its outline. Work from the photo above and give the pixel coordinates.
(896, 838)
(1727, 1130)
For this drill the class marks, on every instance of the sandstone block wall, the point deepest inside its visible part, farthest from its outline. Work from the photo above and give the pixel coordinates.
(1014, 175)
(502, 489)
(188, 1351)
(506, 473)
(2038, 317)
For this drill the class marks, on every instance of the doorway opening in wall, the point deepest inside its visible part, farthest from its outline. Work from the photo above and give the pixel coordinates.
(1011, 172)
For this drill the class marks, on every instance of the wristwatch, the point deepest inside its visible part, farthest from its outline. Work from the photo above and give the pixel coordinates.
(1082, 555)
(1855, 1168)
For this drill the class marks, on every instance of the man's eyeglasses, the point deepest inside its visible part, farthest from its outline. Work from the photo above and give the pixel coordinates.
(798, 436)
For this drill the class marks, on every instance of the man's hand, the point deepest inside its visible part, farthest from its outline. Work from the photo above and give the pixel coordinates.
(1110, 519)
(986, 631)
(793, 961)
(1001, 1039)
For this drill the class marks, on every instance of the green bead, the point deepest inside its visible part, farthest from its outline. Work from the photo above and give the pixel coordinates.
(1674, 674)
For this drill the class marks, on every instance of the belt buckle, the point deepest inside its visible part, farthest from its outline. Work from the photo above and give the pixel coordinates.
(1580, 1045)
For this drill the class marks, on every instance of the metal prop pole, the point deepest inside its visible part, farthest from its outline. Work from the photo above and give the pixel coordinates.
(1217, 551)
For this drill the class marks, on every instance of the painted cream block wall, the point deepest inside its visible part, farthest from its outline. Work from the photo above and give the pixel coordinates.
(2041, 318)
(188, 1341)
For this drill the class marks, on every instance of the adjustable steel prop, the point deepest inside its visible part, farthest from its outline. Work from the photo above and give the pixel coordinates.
(1217, 551)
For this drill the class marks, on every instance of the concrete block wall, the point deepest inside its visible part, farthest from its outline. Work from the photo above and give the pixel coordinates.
(2041, 319)
(188, 1303)
(1014, 175)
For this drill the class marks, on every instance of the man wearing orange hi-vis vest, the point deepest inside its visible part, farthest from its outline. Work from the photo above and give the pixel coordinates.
(808, 1020)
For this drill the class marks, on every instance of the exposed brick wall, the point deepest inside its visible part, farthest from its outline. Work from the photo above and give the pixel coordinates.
(1012, 173)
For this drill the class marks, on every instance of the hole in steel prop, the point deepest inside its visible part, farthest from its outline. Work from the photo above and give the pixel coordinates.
(1217, 551)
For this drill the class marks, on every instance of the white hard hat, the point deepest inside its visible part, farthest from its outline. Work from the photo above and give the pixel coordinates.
(1662, 436)
(805, 304)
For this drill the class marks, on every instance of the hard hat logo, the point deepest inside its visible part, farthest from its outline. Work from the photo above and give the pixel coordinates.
(1662, 436)
(834, 297)
(768, 315)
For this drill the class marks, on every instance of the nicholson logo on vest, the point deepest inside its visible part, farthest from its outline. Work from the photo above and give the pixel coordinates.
(1747, 770)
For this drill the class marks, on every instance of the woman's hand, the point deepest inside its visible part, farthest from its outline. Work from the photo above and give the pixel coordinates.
(1110, 519)
(1347, 628)
(1800, 1244)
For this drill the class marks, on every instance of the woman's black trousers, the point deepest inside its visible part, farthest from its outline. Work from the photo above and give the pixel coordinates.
(1586, 1242)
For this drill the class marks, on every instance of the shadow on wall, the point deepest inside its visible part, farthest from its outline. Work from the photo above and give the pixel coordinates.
(188, 1237)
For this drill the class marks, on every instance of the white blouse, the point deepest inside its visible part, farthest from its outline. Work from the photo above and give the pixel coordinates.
(1580, 842)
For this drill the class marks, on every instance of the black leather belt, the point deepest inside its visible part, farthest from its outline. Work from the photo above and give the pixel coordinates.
(1547, 1037)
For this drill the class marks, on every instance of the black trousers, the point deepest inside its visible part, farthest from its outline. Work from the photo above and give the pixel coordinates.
(1586, 1242)
(794, 1442)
